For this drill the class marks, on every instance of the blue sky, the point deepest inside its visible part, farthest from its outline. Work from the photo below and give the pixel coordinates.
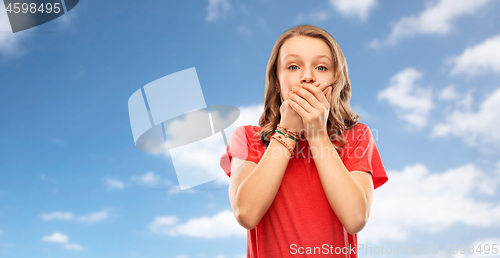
(425, 79)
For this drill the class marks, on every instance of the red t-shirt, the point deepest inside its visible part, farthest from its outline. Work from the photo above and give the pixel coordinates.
(300, 217)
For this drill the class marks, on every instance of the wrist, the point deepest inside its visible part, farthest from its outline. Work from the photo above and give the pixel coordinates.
(286, 144)
(318, 138)
(290, 126)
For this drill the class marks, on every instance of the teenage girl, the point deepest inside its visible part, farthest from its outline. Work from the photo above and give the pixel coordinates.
(302, 181)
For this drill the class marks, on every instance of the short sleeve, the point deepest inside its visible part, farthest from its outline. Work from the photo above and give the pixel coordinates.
(240, 146)
(362, 154)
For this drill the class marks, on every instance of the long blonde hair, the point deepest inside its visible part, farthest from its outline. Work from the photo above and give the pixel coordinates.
(341, 116)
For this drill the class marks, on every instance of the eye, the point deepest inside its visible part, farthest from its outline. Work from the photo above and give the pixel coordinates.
(323, 67)
(292, 66)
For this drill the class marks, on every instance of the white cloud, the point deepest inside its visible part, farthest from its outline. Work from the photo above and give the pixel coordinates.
(354, 8)
(162, 222)
(93, 217)
(61, 238)
(453, 100)
(113, 183)
(416, 200)
(476, 128)
(221, 225)
(56, 238)
(478, 59)
(467, 100)
(449, 93)
(148, 179)
(76, 247)
(217, 9)
(462, 101)
(436, 19)
(412, 102)
(69, 216)
(58, 215)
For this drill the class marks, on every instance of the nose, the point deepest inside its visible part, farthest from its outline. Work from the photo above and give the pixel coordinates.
(307, 76)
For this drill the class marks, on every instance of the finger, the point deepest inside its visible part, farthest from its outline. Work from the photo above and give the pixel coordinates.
(294, 95)
(299, 109)
(329, 94)
(323, 86)
(314, 95)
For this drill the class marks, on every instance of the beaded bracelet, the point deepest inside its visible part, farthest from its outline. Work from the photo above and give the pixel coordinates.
(288, 133)
(279, 138)
(296, 136)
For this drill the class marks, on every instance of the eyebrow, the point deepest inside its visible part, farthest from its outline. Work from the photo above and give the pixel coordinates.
(318, 56)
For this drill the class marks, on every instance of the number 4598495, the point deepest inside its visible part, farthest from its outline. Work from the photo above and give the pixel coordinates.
(481, 248)
(33, 8)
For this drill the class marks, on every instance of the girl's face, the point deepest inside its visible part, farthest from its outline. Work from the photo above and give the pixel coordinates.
(303, 59)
